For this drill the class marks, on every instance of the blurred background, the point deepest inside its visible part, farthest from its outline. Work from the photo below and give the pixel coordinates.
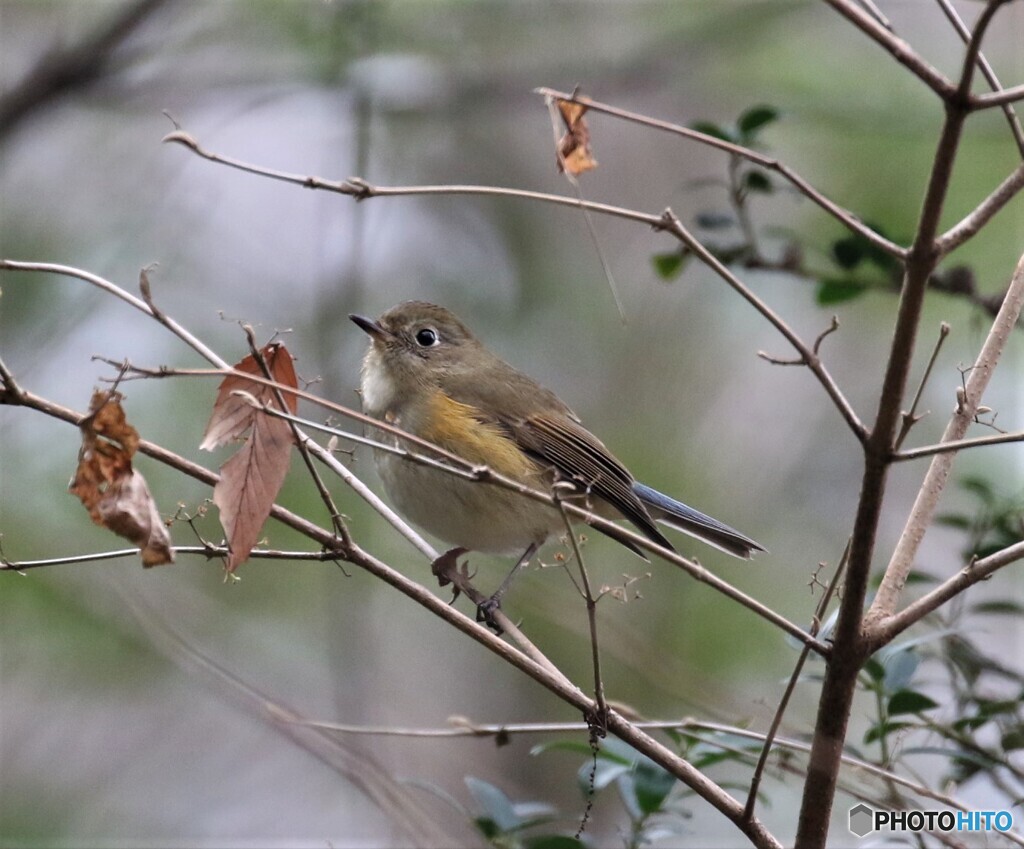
(113, 731)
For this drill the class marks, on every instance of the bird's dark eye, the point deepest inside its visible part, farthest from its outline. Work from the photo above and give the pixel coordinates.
(427, 337)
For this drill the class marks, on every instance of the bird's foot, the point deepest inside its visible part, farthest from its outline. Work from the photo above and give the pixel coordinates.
(485, 614)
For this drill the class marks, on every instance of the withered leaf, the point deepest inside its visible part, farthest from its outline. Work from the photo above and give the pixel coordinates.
(128, 509)
(251, 479)
(233, 415)
(115, 495)
(249, 483)
(574, 153)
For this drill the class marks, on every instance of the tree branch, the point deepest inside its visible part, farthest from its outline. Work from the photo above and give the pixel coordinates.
(847, 218)
(808, 354)
(360, 189)
(998, 98)
(982, 213)
(958, 445)
(850, 648)
(902, 560)
(986, 70)
(886, 630)
(896, 47)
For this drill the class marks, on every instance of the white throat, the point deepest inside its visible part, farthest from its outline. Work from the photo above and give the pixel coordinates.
(377, 388)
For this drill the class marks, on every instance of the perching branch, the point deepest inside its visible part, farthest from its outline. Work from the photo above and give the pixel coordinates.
(453, 464)
(667, 221)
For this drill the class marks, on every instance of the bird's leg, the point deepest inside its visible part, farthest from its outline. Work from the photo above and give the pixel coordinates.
(486, 609)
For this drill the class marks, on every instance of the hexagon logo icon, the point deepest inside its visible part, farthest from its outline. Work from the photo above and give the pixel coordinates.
(862, 820)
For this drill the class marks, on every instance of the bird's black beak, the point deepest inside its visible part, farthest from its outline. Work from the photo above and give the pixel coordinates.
(369, 326)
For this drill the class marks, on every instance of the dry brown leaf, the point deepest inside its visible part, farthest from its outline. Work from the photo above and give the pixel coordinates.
(249, 483)
(233, 415)
(251, 479)
(115, 495)
(128, 509)
(574, 153)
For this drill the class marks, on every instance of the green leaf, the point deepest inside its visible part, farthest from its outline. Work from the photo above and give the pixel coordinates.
(714, 220)
(1013, 740)
(496, 806)
(874, 669)
(668, 266)
(999, 606)
(709, 128)
(910, 701)
(979, 487)
(836, 290)
(757, 181)
(996, 707)
(754, 119)
(652, 785)
(553, 841)
(884, 729)
(970, 723)
(917, 577)
(848, 252)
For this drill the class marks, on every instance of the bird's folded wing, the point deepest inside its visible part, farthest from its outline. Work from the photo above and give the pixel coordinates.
(577, 455)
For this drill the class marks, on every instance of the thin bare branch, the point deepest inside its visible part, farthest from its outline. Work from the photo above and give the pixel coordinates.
(462, 727)
(359, 189)
(115, 290)
(887, 596)
(595, 652)
(986, 69)
(963, 91)
(982, 213)
(794, 678)
(896, 47)
(911, 417)
(455, 465)
(959, 445)
(998, 98)
(886, 630)
(808, 356)
(207, 551)
(847, 218)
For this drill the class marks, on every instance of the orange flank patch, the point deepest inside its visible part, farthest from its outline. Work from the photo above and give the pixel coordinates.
(454, 427)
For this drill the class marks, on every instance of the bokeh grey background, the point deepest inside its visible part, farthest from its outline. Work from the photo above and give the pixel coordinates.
(111, 733)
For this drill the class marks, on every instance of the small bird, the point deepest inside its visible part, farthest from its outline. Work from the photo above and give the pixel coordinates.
(426, 373)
